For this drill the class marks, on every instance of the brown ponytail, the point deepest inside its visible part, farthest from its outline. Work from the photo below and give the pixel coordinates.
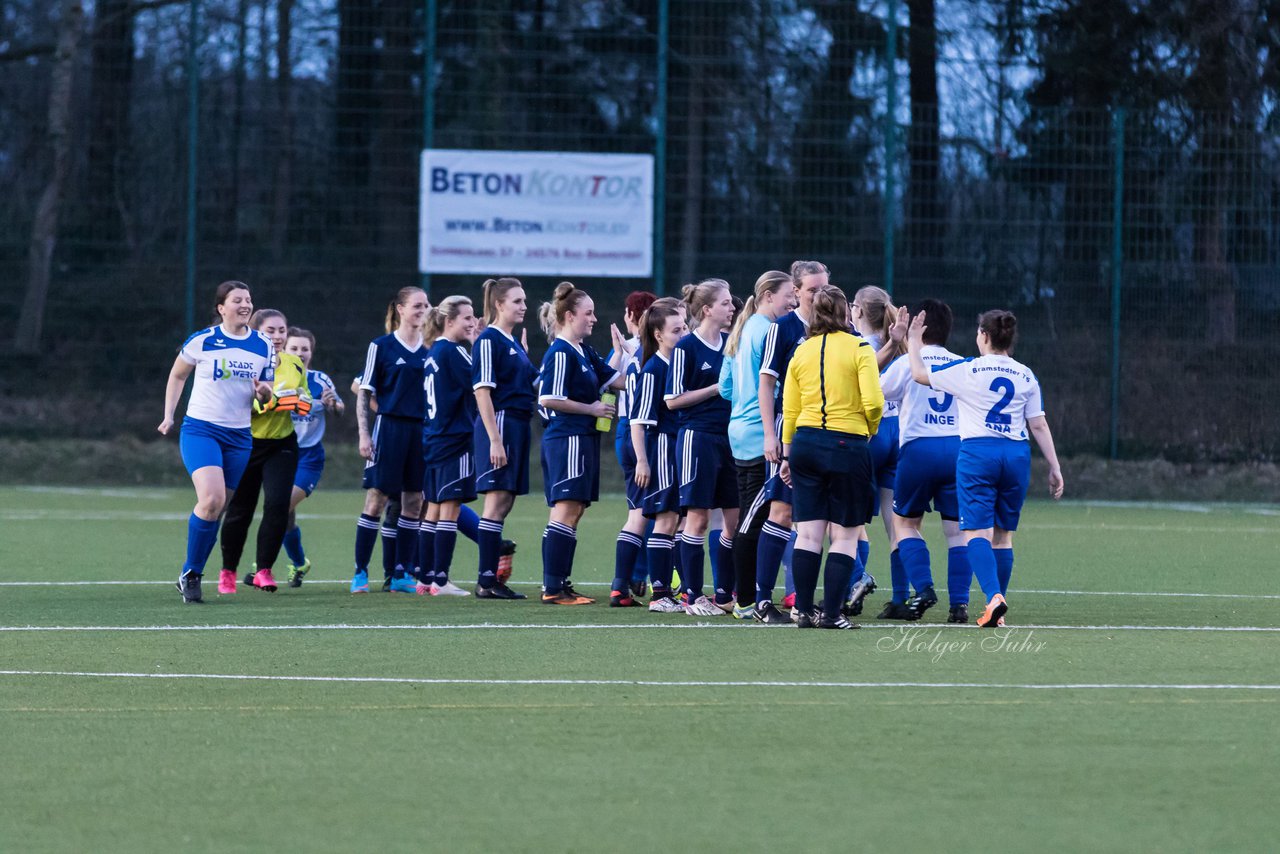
(652, 322)
(700, 296)
(768, 283)
(403, 296)
(493, 292)
(564, 299)
(1001, 328)
(830, 311)
(448, 309)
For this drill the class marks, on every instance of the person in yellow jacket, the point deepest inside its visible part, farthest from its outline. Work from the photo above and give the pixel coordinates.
(272, 464)
(831, 405)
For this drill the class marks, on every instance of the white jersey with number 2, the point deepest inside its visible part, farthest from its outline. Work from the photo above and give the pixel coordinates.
(996, 396)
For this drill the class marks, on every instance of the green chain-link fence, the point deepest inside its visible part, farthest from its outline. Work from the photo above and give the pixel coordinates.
(1139, 246)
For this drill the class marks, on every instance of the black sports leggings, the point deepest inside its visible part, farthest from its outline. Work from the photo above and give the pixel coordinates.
(272, 466)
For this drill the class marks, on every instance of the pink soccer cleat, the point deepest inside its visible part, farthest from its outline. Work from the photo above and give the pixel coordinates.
(226, 582)
(263, 581)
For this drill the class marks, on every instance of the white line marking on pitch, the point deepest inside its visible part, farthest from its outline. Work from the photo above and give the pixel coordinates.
(606, 584)
(378, 627)
(656, 683)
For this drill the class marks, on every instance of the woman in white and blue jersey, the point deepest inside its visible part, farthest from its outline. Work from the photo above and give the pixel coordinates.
(570, 384)
(394, 372)
(999, 403)
(232, 365)
(776, 535)
(628, 570)
(653, 442)
(929, 440)
(708, 478)
(310, 432)
(505, 382)
(449, 480)
(773, 296)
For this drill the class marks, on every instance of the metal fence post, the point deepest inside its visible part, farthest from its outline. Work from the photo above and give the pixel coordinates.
(890, 138)
(660, 154)
(1117, 260)
(428, 106)
(193, 129)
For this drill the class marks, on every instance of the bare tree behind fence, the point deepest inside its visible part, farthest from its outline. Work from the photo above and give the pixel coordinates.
(1108, 171)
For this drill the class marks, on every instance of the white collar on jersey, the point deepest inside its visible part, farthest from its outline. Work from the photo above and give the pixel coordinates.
(248, 333)
(406, 346)
(577, 347)
(496, 328)
(716, 346)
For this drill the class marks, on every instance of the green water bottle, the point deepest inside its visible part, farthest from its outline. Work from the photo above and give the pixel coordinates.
(604, 423)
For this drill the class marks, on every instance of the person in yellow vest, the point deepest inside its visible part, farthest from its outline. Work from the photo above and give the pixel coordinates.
(831, 404)
(273, 462)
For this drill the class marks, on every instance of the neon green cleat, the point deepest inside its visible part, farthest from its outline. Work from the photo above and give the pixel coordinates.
(297, 572)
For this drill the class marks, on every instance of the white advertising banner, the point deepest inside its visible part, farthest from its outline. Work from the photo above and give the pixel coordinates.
(536, 212)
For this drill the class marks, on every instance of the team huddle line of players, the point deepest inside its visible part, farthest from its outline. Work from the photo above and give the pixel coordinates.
(761, 431)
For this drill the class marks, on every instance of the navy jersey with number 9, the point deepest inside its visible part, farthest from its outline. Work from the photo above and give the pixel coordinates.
(450, 401)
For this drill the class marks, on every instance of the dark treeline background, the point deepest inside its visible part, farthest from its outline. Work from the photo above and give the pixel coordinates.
(988, 152)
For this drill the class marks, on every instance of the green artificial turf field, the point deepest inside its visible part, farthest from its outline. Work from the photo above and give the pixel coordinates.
(395, 723)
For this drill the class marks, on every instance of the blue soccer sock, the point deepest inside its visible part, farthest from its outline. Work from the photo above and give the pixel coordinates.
(626, 556)
(691, 569)
(983, 562)
(406, 546)
(658, 554)
(559, 542)
(446, 539)
(366, 537)
(489, 541)
(863, 556)
(202, 535)
(914, 554)
(293, 546)
(426, 552)
(469, 523)
(1004, 567)
(959, 576)
(835, 582)
(898, 576)
(723, 576)
(713, 536)
(805, 567)
(773, 543)
(641, 572)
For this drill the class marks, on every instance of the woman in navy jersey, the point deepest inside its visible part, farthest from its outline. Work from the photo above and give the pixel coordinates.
(310, 430)
(394, 372)
(708, 477)
(653, 441)
(232, 365)
(504, 381)
(450, 479)
(780, 343)
(570, 384)
(874, 315)
(628, 582)
(999, 404)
